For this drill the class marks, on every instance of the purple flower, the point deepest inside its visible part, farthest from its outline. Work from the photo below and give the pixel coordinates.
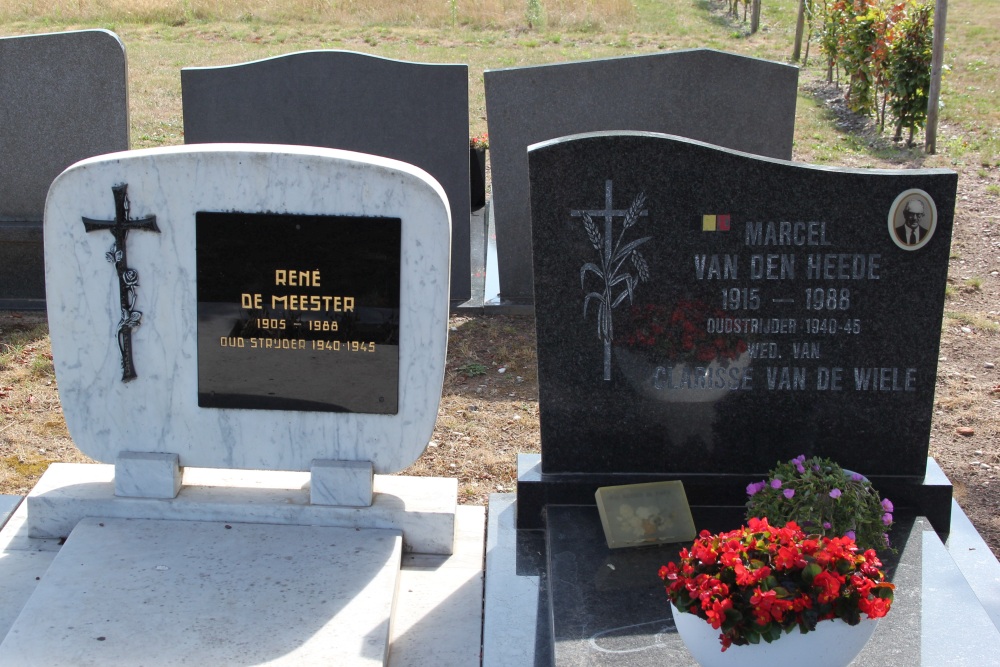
(850, 534)
(755, 487)
(788, 493)
(816, 468)
(887, 505)
(800, 468)
(775, 483)
(857, 477)
(826, 525)
(886, 519)
(835, 493)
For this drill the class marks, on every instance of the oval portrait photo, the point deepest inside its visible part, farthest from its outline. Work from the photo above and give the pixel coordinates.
(912, 219)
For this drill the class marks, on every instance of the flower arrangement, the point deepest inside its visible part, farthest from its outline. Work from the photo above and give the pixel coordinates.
(760, 581)
(480, 141)
(824, 499)
(678, 335)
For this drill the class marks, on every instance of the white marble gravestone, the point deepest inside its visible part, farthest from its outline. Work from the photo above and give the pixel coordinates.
(158, 410)
(251, 308)
(249, 333)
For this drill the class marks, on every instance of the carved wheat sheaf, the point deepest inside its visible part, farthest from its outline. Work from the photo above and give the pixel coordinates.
(615, 282)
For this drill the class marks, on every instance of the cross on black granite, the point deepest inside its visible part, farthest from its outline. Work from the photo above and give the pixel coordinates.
(128, 279)
(612, 257)
(608, 213)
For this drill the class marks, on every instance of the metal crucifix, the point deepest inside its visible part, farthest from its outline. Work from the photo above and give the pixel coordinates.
(128, 278)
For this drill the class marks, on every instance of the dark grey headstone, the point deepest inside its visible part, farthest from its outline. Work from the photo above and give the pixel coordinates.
(414, 112)
(63, 98)
(817, 326)
(734, 101)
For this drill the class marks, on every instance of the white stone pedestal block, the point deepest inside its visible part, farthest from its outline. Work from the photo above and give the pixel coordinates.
(147, 475)
(347, 483)
(423, 508)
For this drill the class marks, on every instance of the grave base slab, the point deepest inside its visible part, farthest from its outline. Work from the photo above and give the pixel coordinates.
(422, 508)
(560, 597)
(438, 617)
(215, 592)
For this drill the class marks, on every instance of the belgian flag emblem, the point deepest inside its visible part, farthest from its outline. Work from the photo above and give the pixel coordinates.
(715, 223)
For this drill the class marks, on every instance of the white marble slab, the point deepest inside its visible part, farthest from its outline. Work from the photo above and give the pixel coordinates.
(130, 592)
(20, 573)
(438, 607)
(439, 618)
(422, 508)
(158, 410)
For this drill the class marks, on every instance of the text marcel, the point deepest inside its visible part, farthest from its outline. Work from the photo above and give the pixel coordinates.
(785, 266)
(298, 302)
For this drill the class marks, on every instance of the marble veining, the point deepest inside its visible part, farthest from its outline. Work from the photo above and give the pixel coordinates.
(158, 411)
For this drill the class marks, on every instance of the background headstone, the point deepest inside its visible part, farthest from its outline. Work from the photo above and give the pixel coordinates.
(707, 312)
(63, 98)
(413, 112)
(268, 306)
(734, 101)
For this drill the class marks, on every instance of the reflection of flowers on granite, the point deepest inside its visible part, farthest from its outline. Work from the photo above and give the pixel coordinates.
(480, 142)
(680, 335)
(641, 521)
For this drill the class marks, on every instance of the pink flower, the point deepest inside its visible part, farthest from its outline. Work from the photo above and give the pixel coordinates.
(835, 493)
(776, 483)
(827, 525)
(887, 505)
(857, 477)
(886, 518)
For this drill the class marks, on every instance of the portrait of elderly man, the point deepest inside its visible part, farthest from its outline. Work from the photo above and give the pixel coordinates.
(911, 232)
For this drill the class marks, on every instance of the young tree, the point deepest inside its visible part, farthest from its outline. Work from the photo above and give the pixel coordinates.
(910, 70)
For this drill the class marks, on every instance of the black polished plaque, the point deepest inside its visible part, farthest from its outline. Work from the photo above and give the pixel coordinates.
(298, 312)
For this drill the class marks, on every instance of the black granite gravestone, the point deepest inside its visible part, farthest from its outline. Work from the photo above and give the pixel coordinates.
(704, 313)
